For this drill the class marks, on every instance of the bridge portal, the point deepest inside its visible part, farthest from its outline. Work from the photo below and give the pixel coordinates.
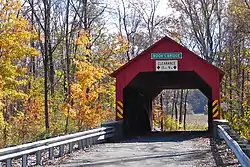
(164, 65)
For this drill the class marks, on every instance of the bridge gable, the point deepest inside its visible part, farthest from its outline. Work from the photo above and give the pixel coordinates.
(189, 62)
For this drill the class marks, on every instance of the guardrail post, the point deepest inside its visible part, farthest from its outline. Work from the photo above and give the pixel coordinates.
(8, 162)
(83, 143)
(61, 150)
(24, 160)
(95, 140)
(51, 153)
(38, 157)
(80, 145)
(71, 147)
(87, 143)
(91, 141)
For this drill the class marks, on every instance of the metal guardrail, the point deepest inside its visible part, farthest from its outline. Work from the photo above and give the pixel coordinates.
(235, 147)
(82, 139)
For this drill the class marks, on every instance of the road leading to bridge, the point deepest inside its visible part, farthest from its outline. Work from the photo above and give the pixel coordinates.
(178, 149)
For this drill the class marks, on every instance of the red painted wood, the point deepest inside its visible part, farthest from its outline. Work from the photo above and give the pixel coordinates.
(189, 62)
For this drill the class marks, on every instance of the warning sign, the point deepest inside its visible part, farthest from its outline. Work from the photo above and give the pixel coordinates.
(166, 65)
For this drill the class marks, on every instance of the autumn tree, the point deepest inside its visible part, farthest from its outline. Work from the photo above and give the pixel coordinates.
(235, 89)
(15, 36)
(93, 90)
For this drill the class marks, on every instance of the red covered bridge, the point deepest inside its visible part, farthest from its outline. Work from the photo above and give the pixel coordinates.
(164, 65)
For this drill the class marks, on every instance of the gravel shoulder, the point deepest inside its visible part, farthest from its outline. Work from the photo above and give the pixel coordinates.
(178, 149)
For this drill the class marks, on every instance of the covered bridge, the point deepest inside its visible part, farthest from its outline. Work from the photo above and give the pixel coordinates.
(164, 65)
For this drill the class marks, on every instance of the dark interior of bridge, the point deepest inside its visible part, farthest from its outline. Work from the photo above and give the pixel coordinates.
(139, 93)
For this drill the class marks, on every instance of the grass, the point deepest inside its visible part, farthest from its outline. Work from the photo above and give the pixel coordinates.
(194, 122)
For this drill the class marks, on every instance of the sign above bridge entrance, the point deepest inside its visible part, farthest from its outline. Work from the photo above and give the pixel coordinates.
(169, 55)
(166, 65)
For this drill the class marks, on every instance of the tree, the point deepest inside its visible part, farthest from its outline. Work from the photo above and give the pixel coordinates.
(197, 23)
(236, 65)
(15, 36)
(129, 22)
(92, 88)
(68, 41)
(185, 109)
(151, 21)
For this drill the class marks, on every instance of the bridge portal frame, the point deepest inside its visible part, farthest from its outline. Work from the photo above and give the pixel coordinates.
(189, 62)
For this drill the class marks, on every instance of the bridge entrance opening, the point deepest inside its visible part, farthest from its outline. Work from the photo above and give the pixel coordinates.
(180, 110)
(142, 90)
(164, 65)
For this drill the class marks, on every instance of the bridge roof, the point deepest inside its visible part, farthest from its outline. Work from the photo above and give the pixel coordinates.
(166, 40)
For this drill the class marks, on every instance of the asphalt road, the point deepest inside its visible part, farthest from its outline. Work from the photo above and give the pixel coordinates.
(157, 149)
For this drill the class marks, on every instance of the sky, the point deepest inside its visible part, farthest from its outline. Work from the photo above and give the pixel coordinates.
(162, 10)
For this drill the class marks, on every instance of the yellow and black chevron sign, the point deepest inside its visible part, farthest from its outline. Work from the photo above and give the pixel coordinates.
(215, 108)
(119, 109)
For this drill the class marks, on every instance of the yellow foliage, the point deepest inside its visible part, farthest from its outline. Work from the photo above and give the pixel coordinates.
(26, 124)
(109, 53)
(84, 38)
(93, 92)
(86, 109)
(15, 36)
(1, 120)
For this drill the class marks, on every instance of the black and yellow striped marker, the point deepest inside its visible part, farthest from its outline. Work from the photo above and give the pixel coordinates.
(119, 109)
(215, 108)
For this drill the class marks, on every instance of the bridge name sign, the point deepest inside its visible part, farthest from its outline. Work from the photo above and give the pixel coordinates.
(169, 55)
(166, 65)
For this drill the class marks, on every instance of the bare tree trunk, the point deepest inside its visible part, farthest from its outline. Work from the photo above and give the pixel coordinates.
(230, 89)
(31, 62)
(161, 101)
(85, 14)
(68, 97)
(176, 109)
(225, 86)
(46, 61)
(180, 114)
(172, 111)
(242, 89)
(51, 71)
(185, 109)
